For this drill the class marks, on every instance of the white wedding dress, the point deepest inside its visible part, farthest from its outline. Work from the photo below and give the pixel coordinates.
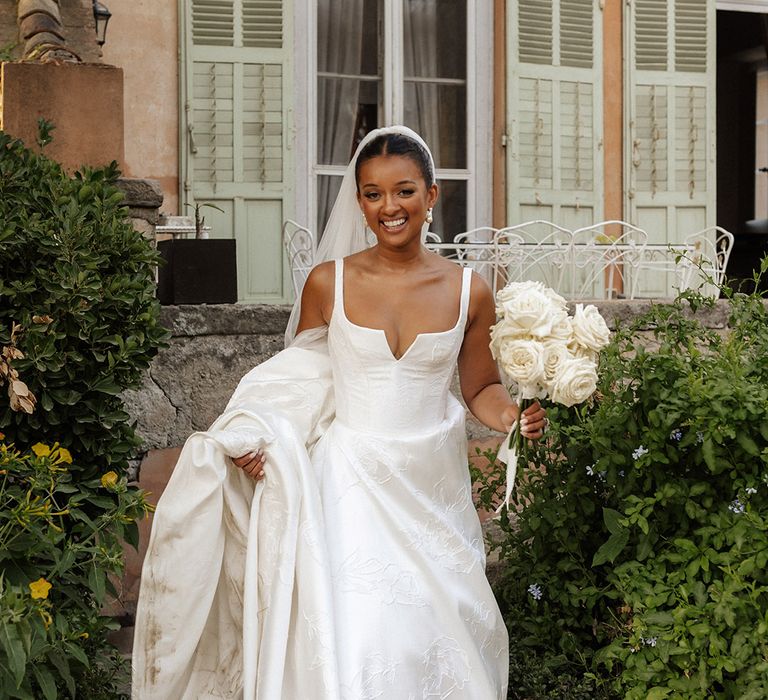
(368, 580)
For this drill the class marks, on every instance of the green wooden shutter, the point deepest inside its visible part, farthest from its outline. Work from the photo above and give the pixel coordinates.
(554, 112)
(669, 122)
(237, 100)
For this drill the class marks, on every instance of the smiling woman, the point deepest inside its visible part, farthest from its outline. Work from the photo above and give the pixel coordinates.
(376, 482)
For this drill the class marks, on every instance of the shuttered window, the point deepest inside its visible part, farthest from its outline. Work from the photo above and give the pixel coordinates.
(554, 157)
(236, 103)
(670, 120)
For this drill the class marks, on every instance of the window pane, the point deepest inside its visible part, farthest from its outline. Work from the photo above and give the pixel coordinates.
(450, 212)
(327, 190)
(348, 34)
(347, 110)
(439, 114)
(435, 38)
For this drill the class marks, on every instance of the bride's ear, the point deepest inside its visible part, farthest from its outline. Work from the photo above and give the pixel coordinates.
(432, 195)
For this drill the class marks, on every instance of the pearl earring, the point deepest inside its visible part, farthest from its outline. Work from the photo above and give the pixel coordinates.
(429, 215)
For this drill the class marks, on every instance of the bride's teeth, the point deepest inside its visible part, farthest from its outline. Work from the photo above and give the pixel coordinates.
(393, 224)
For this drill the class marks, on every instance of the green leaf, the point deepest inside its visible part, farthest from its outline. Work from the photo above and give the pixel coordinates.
(707, 450)
(46, 681)
(747, 443)
(77, 653)
(658, 693)
(611, 519)
(14, 649)
(611, 548)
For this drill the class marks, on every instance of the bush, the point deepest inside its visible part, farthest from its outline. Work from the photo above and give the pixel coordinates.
(78, 326)
(639, 551)
(78, 281)
(59, 544)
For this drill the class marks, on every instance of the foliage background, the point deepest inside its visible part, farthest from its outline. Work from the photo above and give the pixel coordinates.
(636, 565)
(67, 252)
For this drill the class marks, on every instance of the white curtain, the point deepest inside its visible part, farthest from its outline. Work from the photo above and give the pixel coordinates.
(339, 50)
(422, 100)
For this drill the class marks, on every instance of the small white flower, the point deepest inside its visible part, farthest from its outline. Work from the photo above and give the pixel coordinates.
(535, 591)
(650, 642)
(622, 473)
(699, 437)
(591, 470)
(736, 507)
(639, 452)
(750, 490)
(676, 435)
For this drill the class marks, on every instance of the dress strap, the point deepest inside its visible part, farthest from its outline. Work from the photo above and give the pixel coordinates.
(466, 284)
(338, 288)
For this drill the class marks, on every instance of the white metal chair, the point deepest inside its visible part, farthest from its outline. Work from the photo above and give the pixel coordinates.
(299, 243)
(606, 260)
(534, 250)
(710, 250)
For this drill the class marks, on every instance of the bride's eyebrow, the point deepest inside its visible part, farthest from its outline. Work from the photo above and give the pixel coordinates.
(397, 184)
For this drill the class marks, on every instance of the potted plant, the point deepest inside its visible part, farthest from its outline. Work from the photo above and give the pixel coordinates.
(197, 270)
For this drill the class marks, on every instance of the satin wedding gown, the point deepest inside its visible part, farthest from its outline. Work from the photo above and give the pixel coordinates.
(414, 613)
(384, 595)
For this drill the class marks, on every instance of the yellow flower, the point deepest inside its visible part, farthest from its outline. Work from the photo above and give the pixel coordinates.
(2, 436)
(64, 456)
(83, 635)
(109, 480)
(40, 588)
(41, 450)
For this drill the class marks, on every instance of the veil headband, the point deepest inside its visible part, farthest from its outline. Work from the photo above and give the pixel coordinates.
(344, 234)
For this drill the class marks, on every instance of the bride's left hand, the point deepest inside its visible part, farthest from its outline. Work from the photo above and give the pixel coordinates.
(533, 421)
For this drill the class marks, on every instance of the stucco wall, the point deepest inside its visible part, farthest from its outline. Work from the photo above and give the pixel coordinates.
(142, 39)
(83, 101)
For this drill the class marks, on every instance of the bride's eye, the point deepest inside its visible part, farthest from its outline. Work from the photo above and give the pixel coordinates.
(406, 193)
(372, 196)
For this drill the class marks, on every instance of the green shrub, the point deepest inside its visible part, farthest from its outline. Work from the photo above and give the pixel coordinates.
(78, 325)
(60, 542)
(79, 282)
(639, 551)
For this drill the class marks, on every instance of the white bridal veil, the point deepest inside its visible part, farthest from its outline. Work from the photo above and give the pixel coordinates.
(345, 232)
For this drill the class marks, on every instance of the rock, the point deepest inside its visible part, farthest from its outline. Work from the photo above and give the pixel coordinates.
(140, 192)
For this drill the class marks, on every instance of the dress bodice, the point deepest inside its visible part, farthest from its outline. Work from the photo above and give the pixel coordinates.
(376, 392)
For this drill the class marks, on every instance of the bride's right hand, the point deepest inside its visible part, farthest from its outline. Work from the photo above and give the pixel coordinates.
(252, 464)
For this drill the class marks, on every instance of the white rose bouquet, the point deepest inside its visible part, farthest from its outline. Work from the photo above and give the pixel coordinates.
(545, 352)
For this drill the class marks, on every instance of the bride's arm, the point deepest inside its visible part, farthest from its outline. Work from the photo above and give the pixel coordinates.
(316, 306)
(481, 385)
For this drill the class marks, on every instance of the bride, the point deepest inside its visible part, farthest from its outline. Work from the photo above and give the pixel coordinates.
(320, 540)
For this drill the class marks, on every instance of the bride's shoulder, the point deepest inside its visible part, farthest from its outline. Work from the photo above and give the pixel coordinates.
(320, 280)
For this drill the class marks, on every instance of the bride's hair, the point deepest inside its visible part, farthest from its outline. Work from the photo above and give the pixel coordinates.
(394, 144)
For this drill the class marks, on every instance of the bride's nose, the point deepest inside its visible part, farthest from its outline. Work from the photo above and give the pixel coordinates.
(390, 204)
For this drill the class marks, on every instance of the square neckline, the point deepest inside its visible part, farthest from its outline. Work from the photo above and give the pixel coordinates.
(338, 302)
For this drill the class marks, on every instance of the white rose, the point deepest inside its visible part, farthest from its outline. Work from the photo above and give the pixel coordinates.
(503, 331)
(575, 382)
(555, 352)
(582, 352)
(562, 329)
(531, 311)
(589, 328)
(523, 361)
